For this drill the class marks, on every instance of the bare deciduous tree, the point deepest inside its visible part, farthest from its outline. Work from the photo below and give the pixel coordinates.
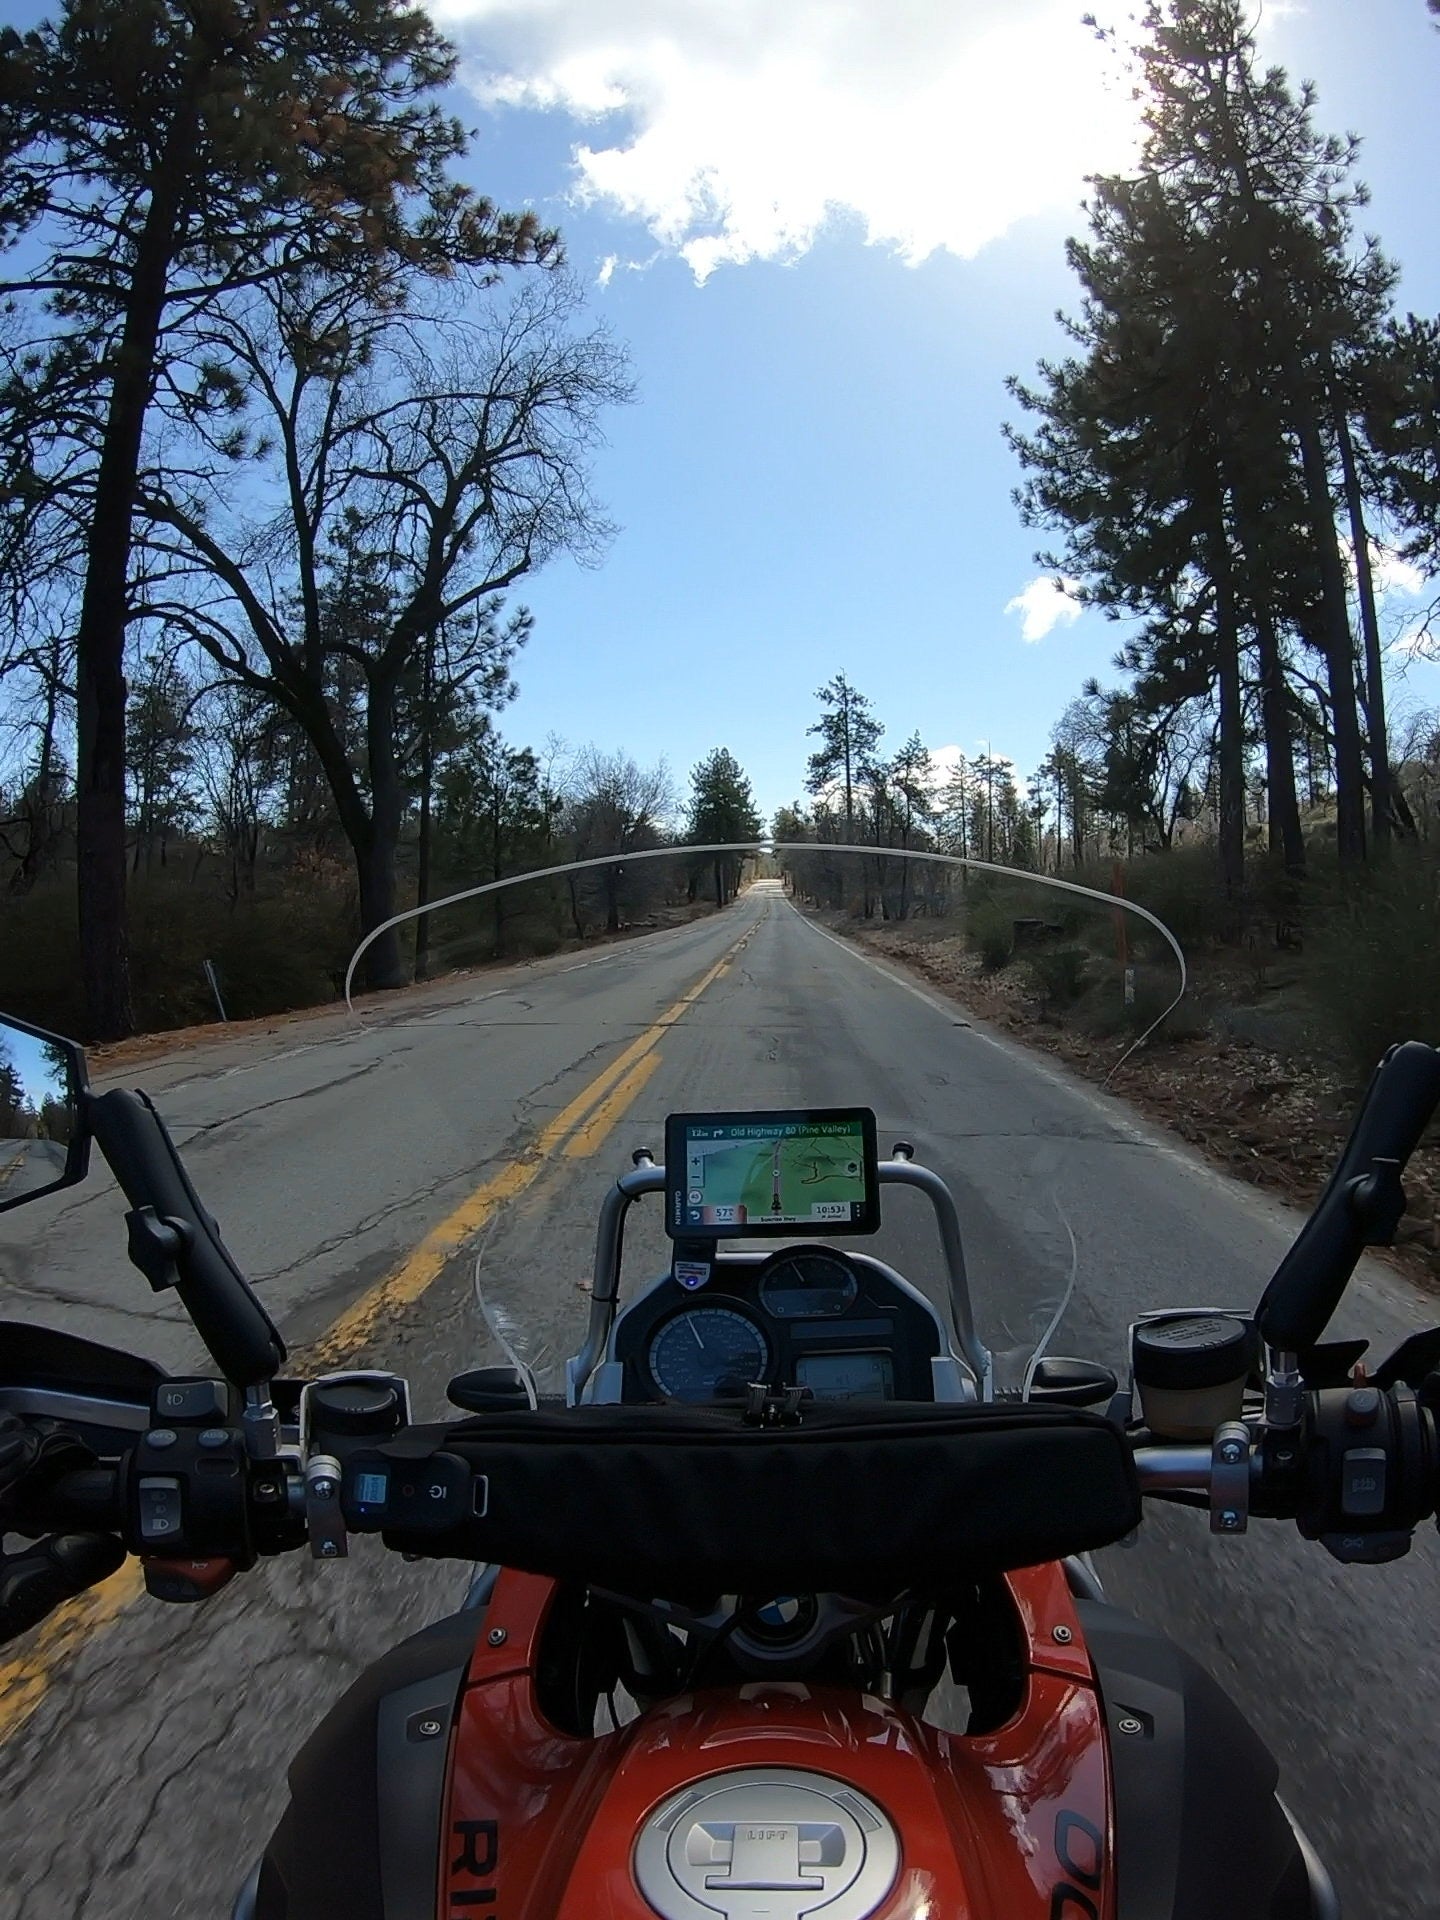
(415, 466)
(614, 805)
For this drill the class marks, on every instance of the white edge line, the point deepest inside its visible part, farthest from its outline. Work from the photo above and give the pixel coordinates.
(1139, 1132)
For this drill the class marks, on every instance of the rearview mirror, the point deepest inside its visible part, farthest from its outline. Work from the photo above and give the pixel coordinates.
(44, 1137)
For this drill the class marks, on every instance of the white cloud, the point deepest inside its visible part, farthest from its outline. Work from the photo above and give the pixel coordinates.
(1393, 577)
(1391, 574)
(1045, 603)
(734, 130)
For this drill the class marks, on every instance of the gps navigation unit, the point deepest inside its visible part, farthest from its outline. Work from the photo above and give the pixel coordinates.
(739, 1175)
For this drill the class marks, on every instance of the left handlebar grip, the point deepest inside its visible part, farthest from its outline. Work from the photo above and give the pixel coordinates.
(86, 1500)
(34, 1583)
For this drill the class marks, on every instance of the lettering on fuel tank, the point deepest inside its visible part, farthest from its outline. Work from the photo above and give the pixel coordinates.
(477, 1844)
(1080, 1851)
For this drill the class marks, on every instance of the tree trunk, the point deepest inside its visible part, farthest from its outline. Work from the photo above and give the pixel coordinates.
(100, 636)
(427, 779)
(375, 871)
(422, 887)
(38, 834)
(249, 854)
(1059, 815)
(1231, 754)
(100, 830)
(373, 833)
(1338, 641)
(1381, 812)
(375, 851)
(1283, 800)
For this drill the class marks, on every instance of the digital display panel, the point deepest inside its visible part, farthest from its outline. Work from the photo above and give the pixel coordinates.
(371, 1489)
(847, 1376)
(739, 1175)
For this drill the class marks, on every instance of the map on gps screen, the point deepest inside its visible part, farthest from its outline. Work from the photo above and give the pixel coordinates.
(781, 1174)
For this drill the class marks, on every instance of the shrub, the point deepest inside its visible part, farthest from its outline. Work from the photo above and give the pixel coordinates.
(285, 952)
(1060, 976)
(531, 941)
(284, 946)
(990, 932)
(1155, 987)
(1372, 953)
(1181, 888)
(40, 957)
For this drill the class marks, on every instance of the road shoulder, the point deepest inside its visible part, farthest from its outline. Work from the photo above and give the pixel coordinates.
(1259, 1118)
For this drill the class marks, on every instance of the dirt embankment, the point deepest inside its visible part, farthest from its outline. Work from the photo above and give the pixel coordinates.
(1268, 1117)
(114, 1056)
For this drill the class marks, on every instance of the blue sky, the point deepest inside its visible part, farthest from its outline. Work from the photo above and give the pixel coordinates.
(813, 476)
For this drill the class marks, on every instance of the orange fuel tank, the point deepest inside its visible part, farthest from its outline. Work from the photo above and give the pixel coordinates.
(778, 1800)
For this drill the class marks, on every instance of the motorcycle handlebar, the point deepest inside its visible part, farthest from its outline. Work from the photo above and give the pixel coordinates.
(1162, 1469)
(1311, 1476)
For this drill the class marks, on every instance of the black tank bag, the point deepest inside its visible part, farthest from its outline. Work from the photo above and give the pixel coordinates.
(681, 1501)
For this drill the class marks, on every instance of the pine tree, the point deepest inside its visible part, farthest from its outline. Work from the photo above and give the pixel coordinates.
(1276, 199)
(722, 808)
(849, 734)
(1195, 459)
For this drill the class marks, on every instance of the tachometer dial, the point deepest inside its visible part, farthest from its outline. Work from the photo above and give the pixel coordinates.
(708, 1353)
(807, 1283)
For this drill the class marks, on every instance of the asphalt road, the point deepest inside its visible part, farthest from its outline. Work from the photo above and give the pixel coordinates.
(147, 1776)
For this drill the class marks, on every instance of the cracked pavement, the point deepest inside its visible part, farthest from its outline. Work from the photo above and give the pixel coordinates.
(148, 1778)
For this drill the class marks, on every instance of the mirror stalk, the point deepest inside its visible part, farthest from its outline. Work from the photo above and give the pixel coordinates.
(1284, 1390)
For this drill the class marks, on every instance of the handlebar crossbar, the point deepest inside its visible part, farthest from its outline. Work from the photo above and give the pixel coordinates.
(1161, 1467)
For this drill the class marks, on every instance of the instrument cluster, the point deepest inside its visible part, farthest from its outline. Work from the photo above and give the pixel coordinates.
(840, 1324)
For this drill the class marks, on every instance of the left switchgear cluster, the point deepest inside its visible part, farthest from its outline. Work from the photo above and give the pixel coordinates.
(189, 1497)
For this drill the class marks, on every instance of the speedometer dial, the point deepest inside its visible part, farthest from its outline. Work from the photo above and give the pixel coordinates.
(708, 1353)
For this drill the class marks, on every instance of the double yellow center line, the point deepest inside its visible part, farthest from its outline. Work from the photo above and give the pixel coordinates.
(577, 1131)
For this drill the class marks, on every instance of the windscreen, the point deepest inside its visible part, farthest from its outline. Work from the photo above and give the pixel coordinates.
(767, 1026)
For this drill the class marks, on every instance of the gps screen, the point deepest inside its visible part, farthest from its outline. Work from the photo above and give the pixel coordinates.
(732, 1175)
